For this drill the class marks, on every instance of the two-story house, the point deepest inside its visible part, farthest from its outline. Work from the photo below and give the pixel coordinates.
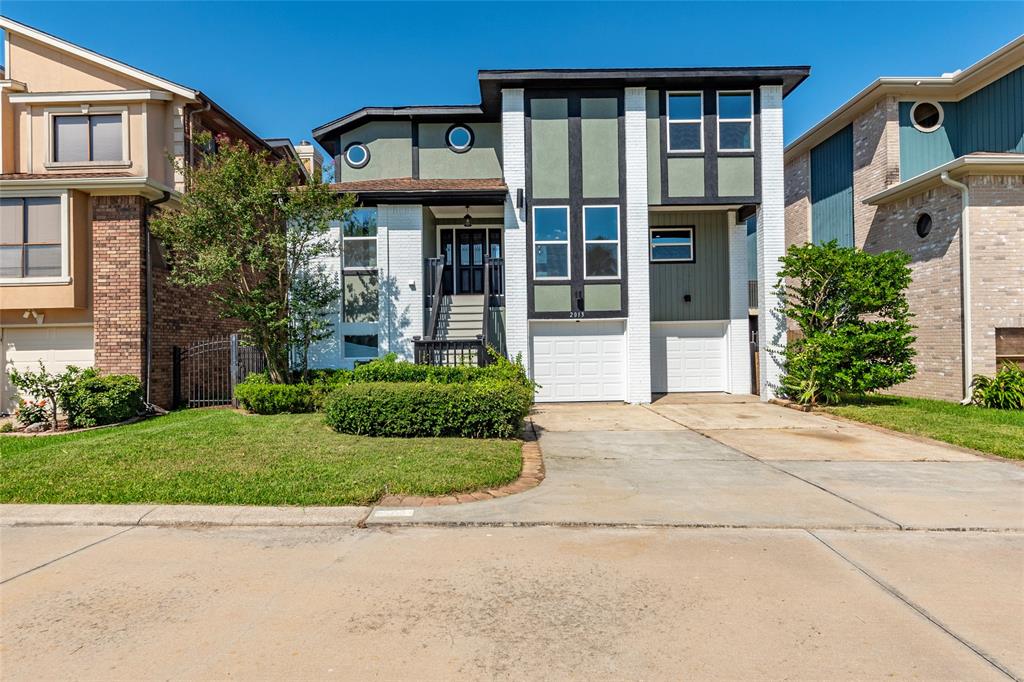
(592, 222)
(86, 144)
(933, 166)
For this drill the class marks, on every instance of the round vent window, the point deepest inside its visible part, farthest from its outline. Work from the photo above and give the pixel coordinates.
(459, 138)
(924, 225)
(926, 116)
(357, 155)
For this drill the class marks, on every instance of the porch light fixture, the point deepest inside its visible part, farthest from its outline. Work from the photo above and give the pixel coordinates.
(467, 220)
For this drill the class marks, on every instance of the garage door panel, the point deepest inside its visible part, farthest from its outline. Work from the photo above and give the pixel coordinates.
(578, 361)
(688, 357)
(57, 347)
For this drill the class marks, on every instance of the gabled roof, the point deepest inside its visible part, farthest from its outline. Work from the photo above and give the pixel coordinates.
(950, 87)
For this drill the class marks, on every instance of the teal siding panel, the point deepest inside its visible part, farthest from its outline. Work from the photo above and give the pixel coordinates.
(752, 248)
(706, 279)
(920, 152)
(832, 189)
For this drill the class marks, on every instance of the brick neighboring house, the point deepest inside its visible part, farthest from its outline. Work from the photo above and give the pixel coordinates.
(917, 164)
(84, 143)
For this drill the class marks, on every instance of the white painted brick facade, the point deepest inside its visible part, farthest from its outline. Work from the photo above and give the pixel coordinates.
(400, 263)
(739, 325)
(771, 241)
(513, 140)
(638, 325)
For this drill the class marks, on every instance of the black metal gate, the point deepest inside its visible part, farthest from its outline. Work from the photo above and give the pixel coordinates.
(206, 372)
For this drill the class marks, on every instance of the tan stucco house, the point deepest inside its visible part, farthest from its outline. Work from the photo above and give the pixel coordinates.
(86, 143)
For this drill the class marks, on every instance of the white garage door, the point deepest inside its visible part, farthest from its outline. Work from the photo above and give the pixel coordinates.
(575, 361)
(22, 348)
(688, 357)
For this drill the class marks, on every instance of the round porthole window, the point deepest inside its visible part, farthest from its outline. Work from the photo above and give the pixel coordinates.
(924, 225)
(357, 155)
(926, 116)
(459, 138)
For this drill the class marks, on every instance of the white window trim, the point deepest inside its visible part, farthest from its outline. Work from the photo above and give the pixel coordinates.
(567, 241)
(85, 110)
(650, 245)
(341, 243)
(939, 107)
(669, 121)
(719, 120)
(65, 237)
(618, 243)
(360, 329)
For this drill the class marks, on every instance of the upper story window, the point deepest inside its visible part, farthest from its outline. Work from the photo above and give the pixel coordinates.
(359, 240)
(31, 231)
(601, 241)
(87, 138)
(459, 138)
(671, 244)
(927, 116)
(736, 121)
(551, 242)
(357, 155)
(685, 121)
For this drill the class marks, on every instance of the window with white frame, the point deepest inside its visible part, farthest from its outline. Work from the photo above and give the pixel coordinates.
(31, 234)
(360, 285)
(685, 121)
(359, 239)
(601, 242)
(671, 244)
(88, 138)
(551, 242)
(736, 121)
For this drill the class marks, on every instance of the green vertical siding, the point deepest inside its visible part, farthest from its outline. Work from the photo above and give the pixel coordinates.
(706, 279)
(599, 123)
(549, 146)
(989, 120)
(832, 189)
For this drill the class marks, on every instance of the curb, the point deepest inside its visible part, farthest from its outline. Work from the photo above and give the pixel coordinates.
(530, 476)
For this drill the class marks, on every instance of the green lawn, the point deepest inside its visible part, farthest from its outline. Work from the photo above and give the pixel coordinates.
(999, 432)
(219, 456)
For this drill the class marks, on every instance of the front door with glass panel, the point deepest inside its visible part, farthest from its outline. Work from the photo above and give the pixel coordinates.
(470, 247)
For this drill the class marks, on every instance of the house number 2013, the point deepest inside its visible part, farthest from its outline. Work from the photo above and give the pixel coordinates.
(577, 313)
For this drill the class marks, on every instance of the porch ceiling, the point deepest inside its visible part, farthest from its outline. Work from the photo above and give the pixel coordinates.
(439, 192)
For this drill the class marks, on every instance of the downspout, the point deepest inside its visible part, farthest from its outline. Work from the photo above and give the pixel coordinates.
(965, 282)
(149, 289)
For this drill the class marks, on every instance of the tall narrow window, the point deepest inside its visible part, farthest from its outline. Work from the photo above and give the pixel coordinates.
(601, 241)
(685, 121)
(30, 237)
(84, 138)
(736, 121)
(551, 242)
(359, 239)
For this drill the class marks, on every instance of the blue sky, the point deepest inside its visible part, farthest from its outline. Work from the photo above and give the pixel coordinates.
(285, 67)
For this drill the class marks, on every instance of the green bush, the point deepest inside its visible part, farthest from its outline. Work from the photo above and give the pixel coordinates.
(1004, 391)
(488, 408)
(262, 397)
(94, 400)
(389, 369)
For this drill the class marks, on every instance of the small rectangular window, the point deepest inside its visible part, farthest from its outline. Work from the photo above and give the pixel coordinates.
(361, 346)
(551, 242)
(601, 241)
(30, 237)
(84, 138)
(671, 244)
(736, 121)
(359, 239)
(685, 121)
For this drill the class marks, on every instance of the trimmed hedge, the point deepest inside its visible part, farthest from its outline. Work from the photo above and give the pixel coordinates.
(93, 400)
(488, 408)
(388, 369)
(267, 398)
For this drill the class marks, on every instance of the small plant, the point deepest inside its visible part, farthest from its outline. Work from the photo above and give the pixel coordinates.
(29, 412)
(45, 387)
(94, 400)
(1004, 391)
(6, 427)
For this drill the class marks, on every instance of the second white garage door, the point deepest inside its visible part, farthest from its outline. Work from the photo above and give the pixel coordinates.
(688, 357)
(578, 361)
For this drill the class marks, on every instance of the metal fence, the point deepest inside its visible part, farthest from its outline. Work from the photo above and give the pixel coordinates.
(206, 372)
(450, 352)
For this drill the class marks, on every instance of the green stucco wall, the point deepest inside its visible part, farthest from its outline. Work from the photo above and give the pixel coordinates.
(552, 298)
(549, 130)
(653, 148)
(438, 161)
(706, 279)
(599, 125)
(686, 176)
(390, 145)
(735, 176)
(599, 297)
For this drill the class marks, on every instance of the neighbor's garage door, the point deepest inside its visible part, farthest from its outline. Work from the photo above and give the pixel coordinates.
(687, 357)
(575, 361)
(22, 348)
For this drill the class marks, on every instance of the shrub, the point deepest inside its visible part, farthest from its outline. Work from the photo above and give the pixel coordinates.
(6, 427)
(29, 412)
(854, 319)
(45, 388)
(93, 400)
(488, 408)
(1004, 391)
(389, 369)
(265, 398)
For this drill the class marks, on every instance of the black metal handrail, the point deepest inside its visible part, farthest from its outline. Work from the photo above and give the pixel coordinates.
(450, 352)
(435, 265)
(485, 323)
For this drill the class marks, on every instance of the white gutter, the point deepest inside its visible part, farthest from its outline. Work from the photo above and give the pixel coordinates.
(965, 282)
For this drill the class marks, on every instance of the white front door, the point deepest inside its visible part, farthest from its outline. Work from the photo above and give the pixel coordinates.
(57, 347)
(578, 361)
(688, 357)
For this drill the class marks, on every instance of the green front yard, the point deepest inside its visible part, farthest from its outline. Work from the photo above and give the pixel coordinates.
(999, 432)
(219, 456)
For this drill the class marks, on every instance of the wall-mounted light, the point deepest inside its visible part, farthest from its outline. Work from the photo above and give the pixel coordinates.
(37, 316)
(519, 197)
(467, 220)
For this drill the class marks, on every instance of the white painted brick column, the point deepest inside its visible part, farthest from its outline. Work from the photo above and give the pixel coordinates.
(400, 263)
(638, 324)
(739, 325)
(513, 141)
(771, 241)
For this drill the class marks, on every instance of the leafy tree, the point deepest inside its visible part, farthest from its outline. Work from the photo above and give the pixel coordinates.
(854, 319)
(245, 234)
(46, 387)
(315, 293)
